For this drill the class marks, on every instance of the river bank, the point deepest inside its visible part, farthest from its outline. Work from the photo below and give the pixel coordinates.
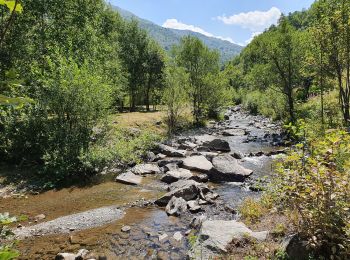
(252, 140)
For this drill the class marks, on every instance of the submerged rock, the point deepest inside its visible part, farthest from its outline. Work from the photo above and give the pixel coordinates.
(227, 168)
(235, 132)
(129, 178)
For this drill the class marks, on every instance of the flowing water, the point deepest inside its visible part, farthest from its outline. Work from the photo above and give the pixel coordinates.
(147, 222)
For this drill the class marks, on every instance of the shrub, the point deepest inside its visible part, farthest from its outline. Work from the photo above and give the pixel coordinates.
(6, 251)
(119, 146)
(268, 103)
(314, 180)
(252, 210)
(56, 130)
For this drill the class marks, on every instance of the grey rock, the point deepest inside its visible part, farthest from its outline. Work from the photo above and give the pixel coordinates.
(189, 146)
(170, 151)
(175, 175)
(126, 229)
(186, 189)
(162, 237)
(218, 145)
(215, 236)
(171, 167)
(160, 156)
(150, 156)
(235, 132)
(193, 206)
(209, 155)
(237, 155)
(80, 221)
(164, 162)
(144, 169)
(227, 168)
(197, 163)
(196, 222)
(65, 256)
(129, 178)
(200, 178)
(176, 206)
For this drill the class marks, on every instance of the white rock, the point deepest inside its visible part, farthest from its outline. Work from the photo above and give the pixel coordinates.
(178, 236)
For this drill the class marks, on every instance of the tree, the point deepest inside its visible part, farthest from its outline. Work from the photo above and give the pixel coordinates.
(175, 95)
(155, 69)
(284, 53)
(198, 62)
(337, 25)
(133, 51)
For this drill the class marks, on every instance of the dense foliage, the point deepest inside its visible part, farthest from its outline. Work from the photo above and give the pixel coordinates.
(304, 56)
(65, 66)
(314, 181)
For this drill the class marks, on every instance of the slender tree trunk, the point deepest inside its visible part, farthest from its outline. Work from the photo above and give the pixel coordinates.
(147, 101)
(322, 89)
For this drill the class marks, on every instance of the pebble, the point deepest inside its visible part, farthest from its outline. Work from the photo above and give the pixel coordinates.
(178, 236)
(162, 237)
(126, 229)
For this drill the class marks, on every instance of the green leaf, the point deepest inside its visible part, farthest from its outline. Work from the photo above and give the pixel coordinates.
(11, 5)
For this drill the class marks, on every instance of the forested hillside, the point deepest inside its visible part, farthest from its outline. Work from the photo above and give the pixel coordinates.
(168, 37)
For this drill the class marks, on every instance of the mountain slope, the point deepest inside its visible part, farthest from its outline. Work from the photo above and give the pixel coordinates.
(169, 37)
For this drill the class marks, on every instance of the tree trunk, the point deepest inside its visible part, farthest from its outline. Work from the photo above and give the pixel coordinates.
(148, 89)
(291, 106)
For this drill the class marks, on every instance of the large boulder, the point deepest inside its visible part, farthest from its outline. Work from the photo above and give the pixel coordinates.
(175, 175)
(227, 168)
(144, 169)
(176, 206)
(217, 145)
(216, 235)
(197, 163)
(129, 178)
(170, 151)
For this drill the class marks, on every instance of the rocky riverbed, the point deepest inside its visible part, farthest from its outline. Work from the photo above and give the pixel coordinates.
(182, 202)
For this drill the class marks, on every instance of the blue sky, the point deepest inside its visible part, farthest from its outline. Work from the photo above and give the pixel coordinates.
(235, 20)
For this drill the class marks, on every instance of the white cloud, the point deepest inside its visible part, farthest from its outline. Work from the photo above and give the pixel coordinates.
(255, 20)
(254, 34)
(175, 24)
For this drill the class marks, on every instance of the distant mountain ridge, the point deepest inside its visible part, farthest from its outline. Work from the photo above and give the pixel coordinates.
(169, 37)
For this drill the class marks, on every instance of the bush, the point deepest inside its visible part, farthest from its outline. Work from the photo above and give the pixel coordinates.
(119, 146)
(6, 251)
(218, 97)
(314, 180)
(268, 103)
(56, 130)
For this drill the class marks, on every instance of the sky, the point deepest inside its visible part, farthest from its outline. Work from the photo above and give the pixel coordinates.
(237, 21)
